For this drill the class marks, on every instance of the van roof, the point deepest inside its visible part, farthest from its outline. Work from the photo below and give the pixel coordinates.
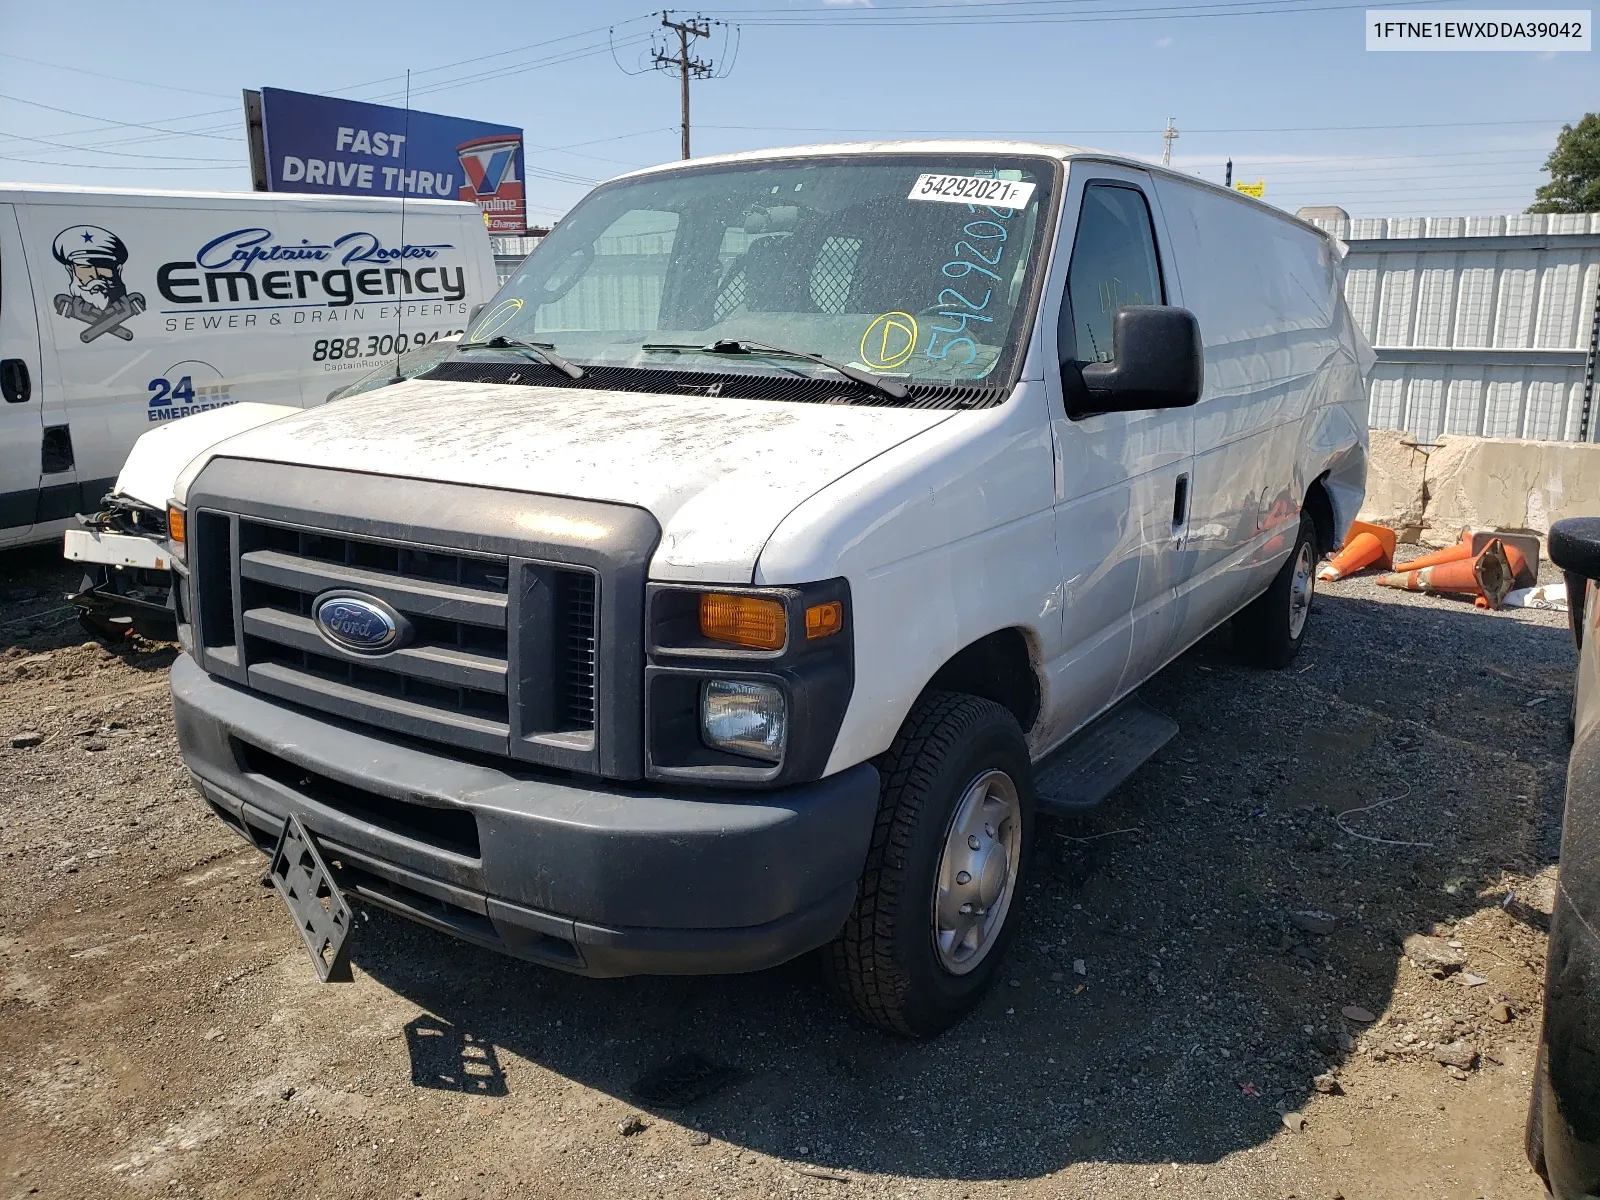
(1059, 151)
(70, 193)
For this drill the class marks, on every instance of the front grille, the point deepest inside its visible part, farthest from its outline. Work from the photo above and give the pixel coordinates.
(526, 610)
(574, 647)
(455, 681)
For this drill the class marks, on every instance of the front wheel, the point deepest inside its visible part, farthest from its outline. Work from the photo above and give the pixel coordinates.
(938, 900)
(1268, 631)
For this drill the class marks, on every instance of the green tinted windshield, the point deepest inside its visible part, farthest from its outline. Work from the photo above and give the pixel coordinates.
(920, 267)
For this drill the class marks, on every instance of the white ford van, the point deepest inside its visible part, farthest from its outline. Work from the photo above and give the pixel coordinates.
(789, 531)
(121, 311)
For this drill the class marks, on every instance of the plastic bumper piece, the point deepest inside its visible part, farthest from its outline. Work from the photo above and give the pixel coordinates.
(589, 877)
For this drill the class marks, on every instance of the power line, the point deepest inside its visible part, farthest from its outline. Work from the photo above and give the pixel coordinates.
(41, 162)
(121, 124)
(436, 86)
(891, 10)
(505, 72)
(118, 153)
(1354, 160)
(682, 62)
(957, 133)
(566, 37)
(888, 18)
(165, 87)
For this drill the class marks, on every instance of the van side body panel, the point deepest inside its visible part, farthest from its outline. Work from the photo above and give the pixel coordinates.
(156, 306)
(1281, 386)
(943, 538)
(21, 424)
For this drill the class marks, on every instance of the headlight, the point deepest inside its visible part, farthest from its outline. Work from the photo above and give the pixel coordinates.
(743, 718)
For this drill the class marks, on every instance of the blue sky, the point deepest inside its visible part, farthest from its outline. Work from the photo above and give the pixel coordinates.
(148, 95)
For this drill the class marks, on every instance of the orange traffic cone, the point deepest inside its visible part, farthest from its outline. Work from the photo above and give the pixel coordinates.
(1461, 550)
(1489, 576)
(1364, 546)
(1518, 562)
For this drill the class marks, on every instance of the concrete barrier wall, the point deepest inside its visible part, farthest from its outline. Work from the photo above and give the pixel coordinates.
(1485, 483)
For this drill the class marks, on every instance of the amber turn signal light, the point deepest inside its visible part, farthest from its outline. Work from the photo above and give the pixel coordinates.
(175, 529)
(824, 620)
(749, 621)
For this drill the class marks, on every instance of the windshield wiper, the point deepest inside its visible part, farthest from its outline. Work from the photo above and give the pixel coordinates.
(887, 387)
(544, 352)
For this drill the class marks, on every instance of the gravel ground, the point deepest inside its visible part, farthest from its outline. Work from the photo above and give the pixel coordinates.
(1183, 1011)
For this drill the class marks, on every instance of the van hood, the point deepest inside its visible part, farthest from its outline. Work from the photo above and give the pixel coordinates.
(717, 474)
(158, 457)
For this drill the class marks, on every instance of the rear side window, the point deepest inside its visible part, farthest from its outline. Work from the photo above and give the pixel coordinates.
(1113, 264)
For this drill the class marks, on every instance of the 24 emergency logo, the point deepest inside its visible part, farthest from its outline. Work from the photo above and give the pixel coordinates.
(96, 294)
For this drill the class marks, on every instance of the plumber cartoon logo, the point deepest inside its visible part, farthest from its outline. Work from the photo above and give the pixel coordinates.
(96, 294)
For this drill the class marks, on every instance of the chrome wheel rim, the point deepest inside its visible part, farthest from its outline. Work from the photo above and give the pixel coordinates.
(1300, 589)
(977, 875)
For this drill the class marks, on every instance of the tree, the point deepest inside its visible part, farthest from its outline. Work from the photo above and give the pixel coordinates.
(1574, 167)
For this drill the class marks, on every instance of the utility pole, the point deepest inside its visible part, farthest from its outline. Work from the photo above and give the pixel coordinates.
(687, 68)
(1166, 138)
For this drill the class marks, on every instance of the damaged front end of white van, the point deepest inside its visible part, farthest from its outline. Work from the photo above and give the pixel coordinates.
(127, 582)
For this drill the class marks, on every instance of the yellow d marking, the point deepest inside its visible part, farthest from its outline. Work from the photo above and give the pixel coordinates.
(889, 341)
(496, 319)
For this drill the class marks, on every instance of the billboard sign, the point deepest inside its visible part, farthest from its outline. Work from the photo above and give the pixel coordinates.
(338, 147)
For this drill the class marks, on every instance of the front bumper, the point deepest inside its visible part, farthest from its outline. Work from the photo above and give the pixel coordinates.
(116, 549)
(560, 869)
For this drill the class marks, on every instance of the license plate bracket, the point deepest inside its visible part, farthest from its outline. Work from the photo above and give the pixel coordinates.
(320, 912)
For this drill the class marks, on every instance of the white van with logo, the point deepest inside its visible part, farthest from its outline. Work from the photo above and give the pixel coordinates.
(121, 311)
(790, 530)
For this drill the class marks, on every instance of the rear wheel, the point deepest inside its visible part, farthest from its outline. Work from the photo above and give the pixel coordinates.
(938, 900)
(1269, 631)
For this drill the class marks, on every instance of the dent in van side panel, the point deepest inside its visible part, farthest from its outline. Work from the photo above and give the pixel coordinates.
(1116, 475)
(1334, 448)
(1265, 294)
(944, 538)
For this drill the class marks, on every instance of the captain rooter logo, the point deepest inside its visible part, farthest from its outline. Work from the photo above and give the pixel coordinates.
(96, 295)
(249, 272)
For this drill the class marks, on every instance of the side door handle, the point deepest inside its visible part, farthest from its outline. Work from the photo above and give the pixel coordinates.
(1180, 503)
(15, 382)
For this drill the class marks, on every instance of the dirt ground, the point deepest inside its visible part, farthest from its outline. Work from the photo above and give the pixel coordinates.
(1168, 1002)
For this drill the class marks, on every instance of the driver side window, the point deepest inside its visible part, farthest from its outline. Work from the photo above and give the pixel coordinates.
(1113, 264)
(621, 286)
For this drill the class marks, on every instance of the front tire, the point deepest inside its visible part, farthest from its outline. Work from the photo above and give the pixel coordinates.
(1268, 632)
(939, 898)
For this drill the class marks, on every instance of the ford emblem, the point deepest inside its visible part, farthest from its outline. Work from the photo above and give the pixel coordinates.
(360, 623)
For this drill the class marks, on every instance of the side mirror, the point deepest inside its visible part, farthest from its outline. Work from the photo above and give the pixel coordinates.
(1157, 361)
(476, 309)
(1575, 546)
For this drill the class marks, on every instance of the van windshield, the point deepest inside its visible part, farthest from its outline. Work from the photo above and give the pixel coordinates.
(917, 268)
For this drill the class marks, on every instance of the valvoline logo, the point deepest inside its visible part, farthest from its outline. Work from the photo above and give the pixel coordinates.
(494, 182)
